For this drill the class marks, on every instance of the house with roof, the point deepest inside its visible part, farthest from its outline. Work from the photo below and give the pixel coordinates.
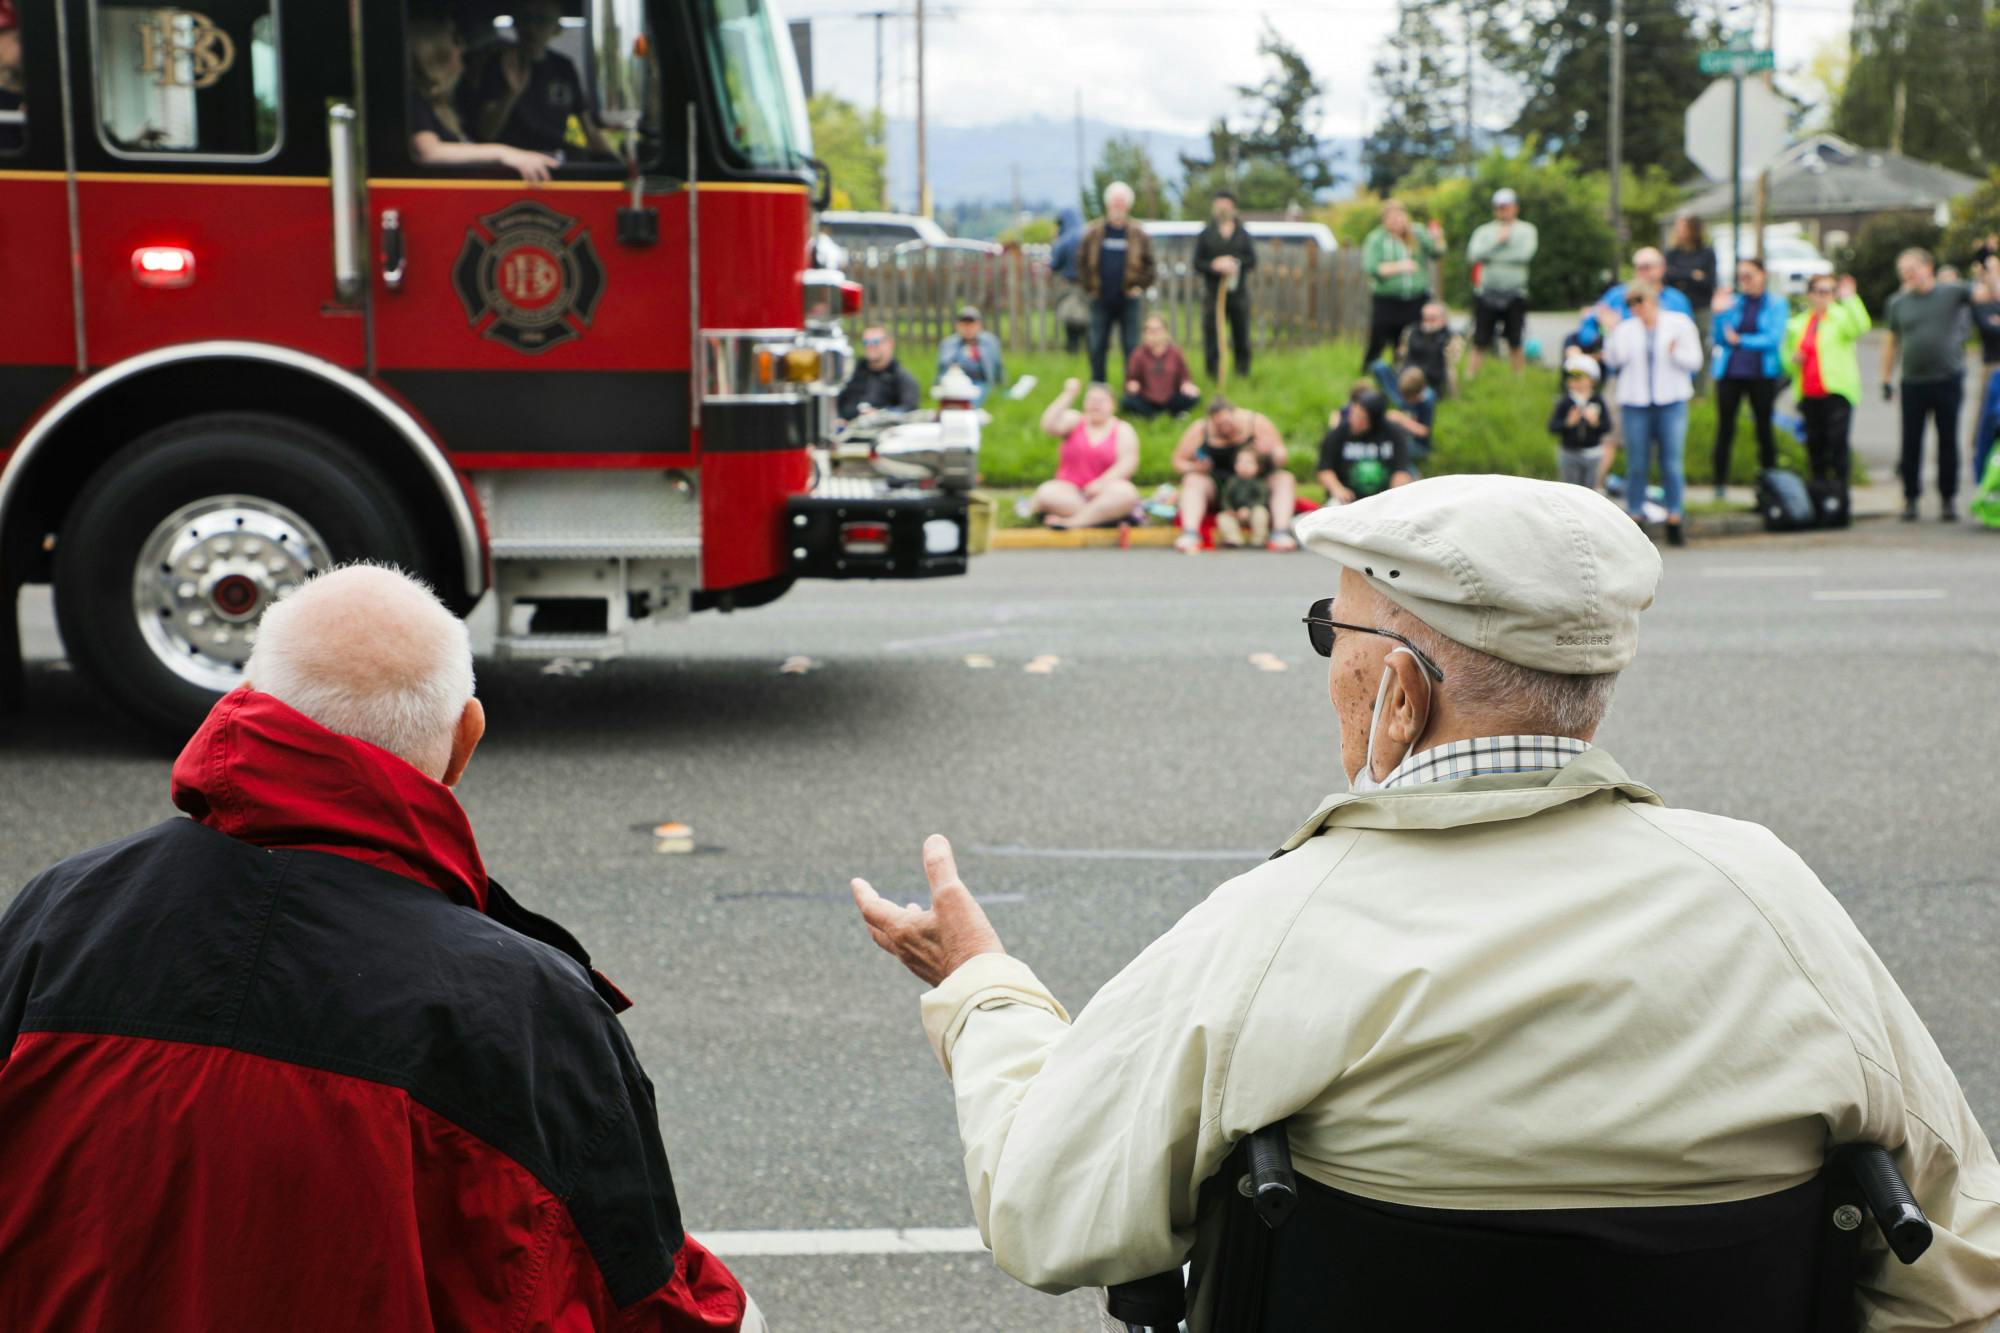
(1829, 188)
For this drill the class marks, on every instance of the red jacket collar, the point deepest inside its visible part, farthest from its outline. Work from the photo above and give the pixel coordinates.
(263, 772)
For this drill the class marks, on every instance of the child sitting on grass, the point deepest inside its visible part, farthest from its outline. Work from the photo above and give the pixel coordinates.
(1246, 503)
(1413, 406)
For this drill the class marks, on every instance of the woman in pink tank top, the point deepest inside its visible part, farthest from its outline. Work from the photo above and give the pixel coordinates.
(1093, 481)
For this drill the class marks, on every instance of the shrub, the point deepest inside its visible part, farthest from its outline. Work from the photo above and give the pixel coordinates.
(1974, 217)
(1496, 424)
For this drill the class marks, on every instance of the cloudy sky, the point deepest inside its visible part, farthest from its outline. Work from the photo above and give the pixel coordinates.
(1163, 65)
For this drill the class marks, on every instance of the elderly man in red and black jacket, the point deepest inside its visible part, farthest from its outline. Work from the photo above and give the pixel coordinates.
(296, 1061)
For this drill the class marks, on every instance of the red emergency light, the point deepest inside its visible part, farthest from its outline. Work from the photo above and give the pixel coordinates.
(850, 297)
(163, 266)
(864, 538)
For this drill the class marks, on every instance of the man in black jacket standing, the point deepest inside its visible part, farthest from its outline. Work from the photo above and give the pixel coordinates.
(1223, 253)
(880, 382)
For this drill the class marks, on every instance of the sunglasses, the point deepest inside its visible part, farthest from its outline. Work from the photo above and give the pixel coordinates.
(873, 342)
(1320, 627)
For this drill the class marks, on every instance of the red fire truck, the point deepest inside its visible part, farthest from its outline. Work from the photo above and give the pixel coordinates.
(282, 293)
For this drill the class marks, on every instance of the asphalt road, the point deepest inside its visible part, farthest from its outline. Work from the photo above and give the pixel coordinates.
(1838, 688)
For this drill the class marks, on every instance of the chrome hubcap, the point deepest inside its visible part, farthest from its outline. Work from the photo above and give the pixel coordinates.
(207, 573)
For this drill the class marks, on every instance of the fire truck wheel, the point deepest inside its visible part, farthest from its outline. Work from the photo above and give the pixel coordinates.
(179, 543)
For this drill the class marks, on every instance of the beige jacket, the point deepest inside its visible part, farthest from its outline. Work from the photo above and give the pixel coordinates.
(1536, 990)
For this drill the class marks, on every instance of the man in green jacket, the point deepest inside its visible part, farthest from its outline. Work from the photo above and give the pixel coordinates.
(1819, 355)
(1500, 252)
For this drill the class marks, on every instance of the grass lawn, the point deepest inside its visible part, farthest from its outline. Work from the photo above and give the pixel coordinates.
(1497, 424)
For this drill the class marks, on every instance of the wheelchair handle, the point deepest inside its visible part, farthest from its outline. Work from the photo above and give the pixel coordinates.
(1270, 1185)
(1903, 1223)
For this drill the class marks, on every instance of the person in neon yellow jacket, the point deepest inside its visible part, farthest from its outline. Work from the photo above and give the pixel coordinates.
(1819, 355)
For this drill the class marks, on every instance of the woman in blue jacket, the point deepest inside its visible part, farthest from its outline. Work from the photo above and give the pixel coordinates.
(1749, 336)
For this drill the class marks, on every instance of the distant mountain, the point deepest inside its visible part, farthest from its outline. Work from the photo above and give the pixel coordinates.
(979, 163)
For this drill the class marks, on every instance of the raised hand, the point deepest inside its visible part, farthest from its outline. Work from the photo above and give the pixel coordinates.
(935, 943)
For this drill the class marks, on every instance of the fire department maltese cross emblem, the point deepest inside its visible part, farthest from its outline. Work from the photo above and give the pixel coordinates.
(526, 280)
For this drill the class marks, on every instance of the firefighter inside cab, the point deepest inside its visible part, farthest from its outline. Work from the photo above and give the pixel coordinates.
(516, 295)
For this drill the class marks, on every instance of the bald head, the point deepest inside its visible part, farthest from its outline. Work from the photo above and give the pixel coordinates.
(371, 653)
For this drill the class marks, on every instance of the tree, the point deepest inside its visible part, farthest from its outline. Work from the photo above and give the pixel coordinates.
(849, 141)
(1126, 159)
(1413, 79)
(1272, 156)
(1284, 115)
(1559, 53)
(1974, 217)
(1923, 81)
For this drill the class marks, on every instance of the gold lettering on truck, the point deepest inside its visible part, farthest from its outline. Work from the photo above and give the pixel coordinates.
(183, 49)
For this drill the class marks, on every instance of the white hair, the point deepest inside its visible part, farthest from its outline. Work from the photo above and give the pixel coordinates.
(1117, 189)
(369, 652)
(1535, 703)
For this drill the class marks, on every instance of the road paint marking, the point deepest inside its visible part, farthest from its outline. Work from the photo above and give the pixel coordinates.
(834, 896)
(1044, 665)
(797, 666)
(943, 640)
(1125, 853)
(878, 1240)
(1879, 595)
(1763, 571)
(1269, 662)
(979, 661)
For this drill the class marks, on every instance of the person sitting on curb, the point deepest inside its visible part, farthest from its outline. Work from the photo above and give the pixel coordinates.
(1093, 481)
(879, 383)
(1207, 453)
(1498, 978)
(1363, 452)
(1156, 376)
(296, 1061)
(976, 352)
(1245, 514)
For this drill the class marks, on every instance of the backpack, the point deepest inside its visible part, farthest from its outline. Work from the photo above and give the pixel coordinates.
(1784, 501)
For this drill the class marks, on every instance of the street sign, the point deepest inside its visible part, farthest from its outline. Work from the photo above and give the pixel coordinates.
(1765, 114)
(1737, 62)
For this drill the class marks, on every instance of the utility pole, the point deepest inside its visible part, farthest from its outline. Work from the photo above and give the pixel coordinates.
(1770, 81)
(1617, 126)
(923, 164)
(881, 118)
(1471, 152)
(1082, 181)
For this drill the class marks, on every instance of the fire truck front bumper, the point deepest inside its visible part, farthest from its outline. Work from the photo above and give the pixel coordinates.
(859, 529)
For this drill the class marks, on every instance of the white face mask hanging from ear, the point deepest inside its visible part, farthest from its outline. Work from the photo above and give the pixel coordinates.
(1365, 780)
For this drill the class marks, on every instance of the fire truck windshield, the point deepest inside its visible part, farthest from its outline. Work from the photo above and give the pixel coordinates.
(757, 84)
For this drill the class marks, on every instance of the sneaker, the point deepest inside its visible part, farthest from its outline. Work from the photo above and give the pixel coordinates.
(1188, 543)
(1024, 508)
(1282, 541)
(1676, 536)
(1909, 511)
(1947, 514)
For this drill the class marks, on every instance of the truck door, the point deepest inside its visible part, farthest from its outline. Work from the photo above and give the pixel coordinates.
(508, 310)
(38, 342)
(202, 174)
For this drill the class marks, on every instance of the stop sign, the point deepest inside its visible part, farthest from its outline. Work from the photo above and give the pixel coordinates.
(1764, 127)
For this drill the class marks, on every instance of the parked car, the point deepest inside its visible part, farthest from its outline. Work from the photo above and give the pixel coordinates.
(1176, 239)
(1790, 259)
(879, 231)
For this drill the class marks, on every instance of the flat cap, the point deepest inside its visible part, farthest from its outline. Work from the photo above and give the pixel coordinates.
(1540, 573)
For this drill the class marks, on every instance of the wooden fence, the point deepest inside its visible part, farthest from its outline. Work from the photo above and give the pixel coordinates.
(1299, 296)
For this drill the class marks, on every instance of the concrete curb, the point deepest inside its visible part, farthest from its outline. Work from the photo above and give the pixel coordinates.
(1700, 527)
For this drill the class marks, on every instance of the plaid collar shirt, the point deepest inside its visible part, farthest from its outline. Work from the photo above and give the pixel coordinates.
(1482, 756)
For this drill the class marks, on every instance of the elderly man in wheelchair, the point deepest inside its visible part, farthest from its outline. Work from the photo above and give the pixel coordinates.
(1528, 1046)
